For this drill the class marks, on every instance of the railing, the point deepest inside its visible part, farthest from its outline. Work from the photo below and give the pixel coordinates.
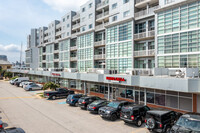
(73, 58)
(56, 51)
(75, 34)
(76, 26)
(144, 13)
(99, 43)
(101, 56)
(55, 60)
(102, 4)
(101, 26)
(76, 17)
(58, 33)
(73, 48)
(138, 1)
(144, 53)
(144, 35)
(102, 15)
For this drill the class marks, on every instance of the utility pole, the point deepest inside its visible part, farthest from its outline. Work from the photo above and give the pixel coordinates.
(21, 56)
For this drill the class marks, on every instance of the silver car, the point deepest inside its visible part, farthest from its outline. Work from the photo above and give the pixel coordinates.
(33, 86)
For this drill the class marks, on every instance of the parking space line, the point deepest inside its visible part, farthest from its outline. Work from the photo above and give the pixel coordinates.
(2, 98)
(140, 130)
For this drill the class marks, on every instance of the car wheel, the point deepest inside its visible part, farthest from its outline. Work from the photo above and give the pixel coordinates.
(113, 117)
(53, 97)
(76, 104)
(150, 123)
(167, 130)
(30, 89)
(139, 122)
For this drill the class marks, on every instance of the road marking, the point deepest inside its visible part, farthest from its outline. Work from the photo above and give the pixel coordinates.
(61, 102)
(141, 130)
(1, 98)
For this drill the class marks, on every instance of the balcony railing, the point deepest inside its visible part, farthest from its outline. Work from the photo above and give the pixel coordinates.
(101, 26)
(144, 35)
(75, 34)
(146, 12)
(99, 43)
(76, 17)
(73, 58)
(56, 60)
(76, 26)
(102, 15)
(56, 51)
(144, 53)
(58, 33)
(102, 4)
(73, 48)
(99, 57)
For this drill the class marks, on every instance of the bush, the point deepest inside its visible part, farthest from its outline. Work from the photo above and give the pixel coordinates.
(14, 77)
(8, 74)
(50, 85)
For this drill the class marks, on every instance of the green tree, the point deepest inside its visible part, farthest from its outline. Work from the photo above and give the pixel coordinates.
(8, 74)
(50, 85)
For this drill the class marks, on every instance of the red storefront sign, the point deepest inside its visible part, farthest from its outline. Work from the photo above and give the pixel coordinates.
(56, 74)
(115, 79)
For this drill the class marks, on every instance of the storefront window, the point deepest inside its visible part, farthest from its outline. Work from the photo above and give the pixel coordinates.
(172, 101)
(160, 99)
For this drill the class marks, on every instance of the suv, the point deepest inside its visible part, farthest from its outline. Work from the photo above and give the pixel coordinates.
(112, 110)
(134, 114)
(187, 123)
(73, 99)
(94, 106)
(83, 102)
(161, 121)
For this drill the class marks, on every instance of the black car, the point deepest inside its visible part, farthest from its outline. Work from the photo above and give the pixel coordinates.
(12, 130)
(187, 123)
(112, 110)
(73, 99)
(94, 106)
(58, 93)
(134, 114)
(161, 121)
(83, 102)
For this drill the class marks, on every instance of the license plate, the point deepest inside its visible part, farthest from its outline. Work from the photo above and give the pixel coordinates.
(79, 103)
(125, 116)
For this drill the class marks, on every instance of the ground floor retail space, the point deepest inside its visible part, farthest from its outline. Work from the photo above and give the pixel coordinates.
(154, 97)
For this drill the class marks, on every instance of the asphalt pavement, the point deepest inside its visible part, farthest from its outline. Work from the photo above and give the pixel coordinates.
(35, 115)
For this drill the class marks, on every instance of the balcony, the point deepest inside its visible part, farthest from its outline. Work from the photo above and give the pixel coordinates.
(144, 35)
(101, 26)
(145, 13)
(143, 3)
(102, 16)
(74, 35)
(73, 48)
(103, 4)
(58, 33)
(144, 53)
(73, 58)
(99, 43)
(76, 17)
(56, 51)
(56, 60)
(76, 26)
(99, 57)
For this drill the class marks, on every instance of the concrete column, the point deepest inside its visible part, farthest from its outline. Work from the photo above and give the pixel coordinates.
(145, 96)
(68, 86)
(147, 8)
(147, 30)
(85, 89)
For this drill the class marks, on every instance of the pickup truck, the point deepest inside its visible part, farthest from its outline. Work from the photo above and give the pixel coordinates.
(58, 93)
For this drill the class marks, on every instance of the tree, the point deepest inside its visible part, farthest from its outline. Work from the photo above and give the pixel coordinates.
(50, 85)
(8, 74)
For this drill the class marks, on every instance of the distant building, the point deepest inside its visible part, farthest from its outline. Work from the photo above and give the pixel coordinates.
(5, 65)
(3, 57)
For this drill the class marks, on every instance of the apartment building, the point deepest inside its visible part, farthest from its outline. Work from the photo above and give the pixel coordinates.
(144, 51)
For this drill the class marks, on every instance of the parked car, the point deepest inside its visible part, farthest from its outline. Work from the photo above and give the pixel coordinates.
(31, 87)
(94, 106)
(187, 123)
(19, 82)
(23, 83)
(161, 121)
(112, 110)
(58, 93)
(134, 114)
(10, 130)
(73, 99)
(83, 102)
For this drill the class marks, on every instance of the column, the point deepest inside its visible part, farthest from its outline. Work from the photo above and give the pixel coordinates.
(85, 89)
(145, 96)
(108, 92)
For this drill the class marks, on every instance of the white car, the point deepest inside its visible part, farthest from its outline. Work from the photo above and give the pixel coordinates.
(33, 86)
(30, 83)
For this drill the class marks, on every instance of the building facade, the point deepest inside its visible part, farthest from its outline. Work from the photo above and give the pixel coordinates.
(146, 51)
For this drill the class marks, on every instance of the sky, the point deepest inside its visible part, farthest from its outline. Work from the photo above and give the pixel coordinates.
(17, 17)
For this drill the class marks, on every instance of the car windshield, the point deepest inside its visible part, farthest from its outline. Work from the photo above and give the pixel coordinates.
(191, 124)
(96, 102)
(113, 104)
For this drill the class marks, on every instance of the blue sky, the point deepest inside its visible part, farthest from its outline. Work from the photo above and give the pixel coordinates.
(17, 17)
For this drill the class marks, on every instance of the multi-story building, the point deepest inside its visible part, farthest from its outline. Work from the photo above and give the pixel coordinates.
(146, 51)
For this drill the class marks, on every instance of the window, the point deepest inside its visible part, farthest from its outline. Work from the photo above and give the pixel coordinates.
(90, 15)
(126, 1)
(83, 28)
(67, 25)
(114, 6)
(67, 33)
(83, 9)
(126, 13)
(90, 26)
(114, 18)
(63, 19)
(90, 5)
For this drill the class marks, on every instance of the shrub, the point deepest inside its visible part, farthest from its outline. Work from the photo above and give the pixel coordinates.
(50, 85)
(14, 77)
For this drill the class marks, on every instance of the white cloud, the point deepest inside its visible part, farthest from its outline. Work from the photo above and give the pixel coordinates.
(65, 5)
(10, 48)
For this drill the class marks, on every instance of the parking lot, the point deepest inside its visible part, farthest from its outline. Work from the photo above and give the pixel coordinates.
(24, 109)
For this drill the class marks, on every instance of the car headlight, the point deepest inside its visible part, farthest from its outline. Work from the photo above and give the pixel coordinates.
(108, 112)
